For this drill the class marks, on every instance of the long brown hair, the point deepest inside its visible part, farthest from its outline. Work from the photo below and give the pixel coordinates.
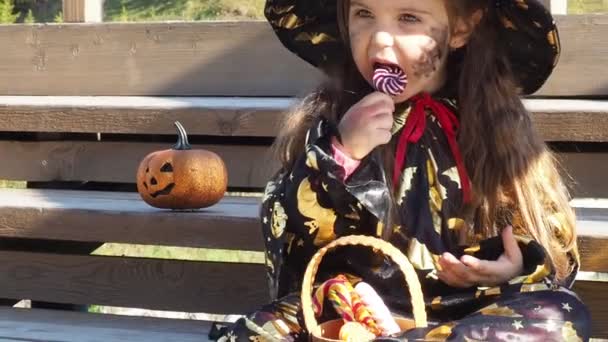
(514, 175)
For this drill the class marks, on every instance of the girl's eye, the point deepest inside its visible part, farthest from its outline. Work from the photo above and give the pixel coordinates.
(363, 13)
(409, 18)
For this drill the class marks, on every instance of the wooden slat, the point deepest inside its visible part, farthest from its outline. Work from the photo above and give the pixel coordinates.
(42, 325)
(223, 59)
(585, 173)
(117, 162)
(592, 226)
(248, 166)
(570, 120)
(578, 71)
(232, 224)
(143, 115)
(593, 294)
(556, 120)
(125, 218)
(133, 282)
(62, 326)
(213, 58)
(73, 11)
(594, 252)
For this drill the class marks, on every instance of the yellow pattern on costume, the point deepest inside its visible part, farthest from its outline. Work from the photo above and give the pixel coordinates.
(436, 192)
(420, 257)
(406, 183)
(541, 272)
(569, 333)
(452, 174)
(311, 161)
(495, 310)
(323, 219)
(441, 333)
(289, 22)
(315, 38)
(279, 220)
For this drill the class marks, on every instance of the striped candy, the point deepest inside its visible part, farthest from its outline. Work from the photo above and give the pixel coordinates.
(345, 300)
(389, 79)
(379, 311)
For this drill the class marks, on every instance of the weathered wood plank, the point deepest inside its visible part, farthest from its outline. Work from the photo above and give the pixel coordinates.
(133, 282)
(116, 162)
(62, 326)
(594, 252)
(594, 296)
(570, 120)
(125, 218)
(73, 11)
(556, 120)
(585, 173)
(223, 59)
(578, 72)
(592, 229)
(214, 116)
(248, 166)
(213, 58)
(232, 224)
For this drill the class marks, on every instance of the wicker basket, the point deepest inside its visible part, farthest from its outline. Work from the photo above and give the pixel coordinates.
(328, 331)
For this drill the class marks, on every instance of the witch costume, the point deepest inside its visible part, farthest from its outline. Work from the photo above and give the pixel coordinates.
(313, 203)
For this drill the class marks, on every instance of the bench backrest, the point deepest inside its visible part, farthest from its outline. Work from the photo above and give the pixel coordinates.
(237, 80)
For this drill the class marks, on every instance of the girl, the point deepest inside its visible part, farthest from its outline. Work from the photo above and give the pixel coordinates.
(443, 162)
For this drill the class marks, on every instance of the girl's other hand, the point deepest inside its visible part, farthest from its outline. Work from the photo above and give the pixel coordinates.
(367, 124)
(470, 271)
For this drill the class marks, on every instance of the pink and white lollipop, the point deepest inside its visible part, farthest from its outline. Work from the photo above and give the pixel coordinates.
(389, 79)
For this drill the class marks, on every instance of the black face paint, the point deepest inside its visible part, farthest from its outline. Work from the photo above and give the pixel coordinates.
(433, 53)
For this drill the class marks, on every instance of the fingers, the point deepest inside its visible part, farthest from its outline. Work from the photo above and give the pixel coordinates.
(476, 265)
(378, 97)
(485, 271)
(470, 271)
(367, 124)
(512, 250)
(455, 273)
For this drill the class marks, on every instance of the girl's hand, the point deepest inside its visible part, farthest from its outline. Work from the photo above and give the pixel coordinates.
(470, 271)
(367, 124)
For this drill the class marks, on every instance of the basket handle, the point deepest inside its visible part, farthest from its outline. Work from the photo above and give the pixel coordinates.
(387, 249)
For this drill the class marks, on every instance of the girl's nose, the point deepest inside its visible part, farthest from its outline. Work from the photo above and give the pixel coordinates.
(383, 39)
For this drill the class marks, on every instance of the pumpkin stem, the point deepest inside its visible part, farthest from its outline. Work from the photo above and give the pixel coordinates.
(182, 138)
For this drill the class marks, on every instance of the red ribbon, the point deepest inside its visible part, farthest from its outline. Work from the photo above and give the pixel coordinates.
(414, 128)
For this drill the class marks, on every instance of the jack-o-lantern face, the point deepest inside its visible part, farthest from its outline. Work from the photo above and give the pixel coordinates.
(182, 178)
(158, 179)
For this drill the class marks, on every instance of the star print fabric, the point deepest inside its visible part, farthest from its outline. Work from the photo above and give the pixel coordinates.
(311, 204)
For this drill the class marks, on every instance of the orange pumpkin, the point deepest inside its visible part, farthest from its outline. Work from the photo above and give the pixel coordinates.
(182, 177)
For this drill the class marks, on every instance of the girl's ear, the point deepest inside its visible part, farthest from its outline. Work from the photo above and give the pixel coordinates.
(463, 29)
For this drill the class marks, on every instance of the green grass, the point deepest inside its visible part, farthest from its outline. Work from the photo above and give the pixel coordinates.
(190, 10)
(587, 6)
(180, 253)
(12, 184)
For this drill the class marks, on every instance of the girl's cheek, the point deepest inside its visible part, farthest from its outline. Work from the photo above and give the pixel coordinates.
(431, 53)
(356, 34)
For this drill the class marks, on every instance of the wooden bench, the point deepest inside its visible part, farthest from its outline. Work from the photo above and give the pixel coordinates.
(85, 104)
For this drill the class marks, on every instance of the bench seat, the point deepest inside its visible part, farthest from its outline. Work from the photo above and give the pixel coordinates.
(232, 223)
(62, 326)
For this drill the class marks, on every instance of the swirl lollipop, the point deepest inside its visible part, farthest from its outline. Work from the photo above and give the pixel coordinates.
(389, 79)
